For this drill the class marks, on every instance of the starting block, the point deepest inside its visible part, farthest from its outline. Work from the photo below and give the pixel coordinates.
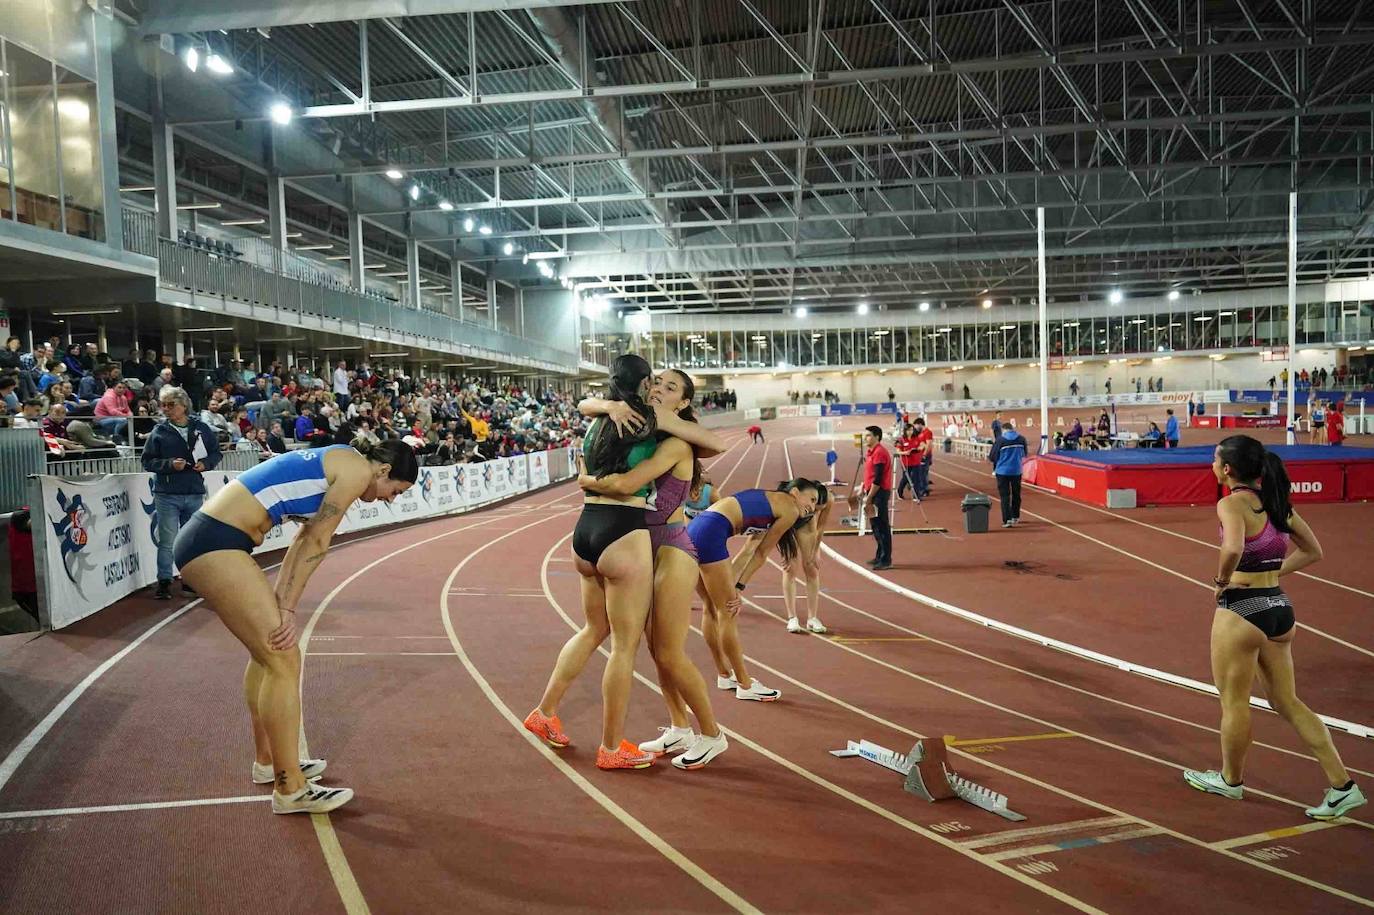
(928, 776)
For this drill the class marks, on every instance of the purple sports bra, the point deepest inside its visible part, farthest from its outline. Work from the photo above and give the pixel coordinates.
(670, 492)
(1265, 551)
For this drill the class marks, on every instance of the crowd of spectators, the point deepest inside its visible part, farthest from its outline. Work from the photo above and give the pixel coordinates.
(84, 402)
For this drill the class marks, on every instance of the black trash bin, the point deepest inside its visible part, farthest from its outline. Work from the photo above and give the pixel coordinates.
(949, 445)
(977, 507)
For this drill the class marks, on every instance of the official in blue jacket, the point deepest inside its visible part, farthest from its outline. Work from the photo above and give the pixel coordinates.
(178, 451)
(1006, 455)
(1171, 429)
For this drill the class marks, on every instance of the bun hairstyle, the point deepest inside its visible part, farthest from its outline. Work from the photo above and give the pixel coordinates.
(1250, 461)
(607, 451)
(398, 454)
(787, 543)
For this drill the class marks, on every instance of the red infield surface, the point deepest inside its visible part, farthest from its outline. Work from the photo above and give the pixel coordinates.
(125, 785)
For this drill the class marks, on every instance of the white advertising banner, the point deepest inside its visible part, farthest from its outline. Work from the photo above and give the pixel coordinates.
(99, 539)
(1086, 400)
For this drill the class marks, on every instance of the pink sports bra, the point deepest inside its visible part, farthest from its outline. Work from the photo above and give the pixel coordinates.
(1265, 551)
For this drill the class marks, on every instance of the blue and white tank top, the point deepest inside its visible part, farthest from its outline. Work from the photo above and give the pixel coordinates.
(693, 507)
(290, 484)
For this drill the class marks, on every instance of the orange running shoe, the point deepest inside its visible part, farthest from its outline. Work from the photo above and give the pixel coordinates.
(549, 730)
(627, 756)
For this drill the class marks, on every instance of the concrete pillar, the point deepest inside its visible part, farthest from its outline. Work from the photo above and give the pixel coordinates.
(164, 168)
(276, 211)
(413, 272)
(455, 281)
(520, 309)
(491, 300)
(355, 239)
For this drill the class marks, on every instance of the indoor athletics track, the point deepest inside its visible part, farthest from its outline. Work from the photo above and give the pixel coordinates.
(124, 763)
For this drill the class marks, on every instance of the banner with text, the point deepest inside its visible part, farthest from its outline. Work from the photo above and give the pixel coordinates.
(98, 541)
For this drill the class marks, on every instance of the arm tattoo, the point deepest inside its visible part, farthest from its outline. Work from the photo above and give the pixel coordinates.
(327, 510)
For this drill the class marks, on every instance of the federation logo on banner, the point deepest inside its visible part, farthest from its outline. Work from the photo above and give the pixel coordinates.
(150, 509)
(73, 528)
(426, 486)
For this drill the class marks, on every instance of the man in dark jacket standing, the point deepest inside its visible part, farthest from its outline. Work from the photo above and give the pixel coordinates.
(178, 451)
(1006, 455)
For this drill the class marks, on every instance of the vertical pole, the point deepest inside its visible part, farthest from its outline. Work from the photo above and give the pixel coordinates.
(491, 299)
(455, 285)
(413, 270)
(355, 235)
(109, 143)
(276, 212)
(1292, 316)
(164, 167)
(1044, 335)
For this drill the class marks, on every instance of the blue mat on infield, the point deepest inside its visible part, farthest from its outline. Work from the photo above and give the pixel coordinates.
(1136, 457)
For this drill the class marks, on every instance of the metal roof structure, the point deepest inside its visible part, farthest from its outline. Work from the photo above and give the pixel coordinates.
(760, 154)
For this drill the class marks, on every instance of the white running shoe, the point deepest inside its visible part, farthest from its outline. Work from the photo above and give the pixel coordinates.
(793, 625)
(1213, 782)
(757, 692)
(672, 740)
(816, 626)
(310, 768)
(311, 799)
(702, 751)
(1337, 803)
(726, 682)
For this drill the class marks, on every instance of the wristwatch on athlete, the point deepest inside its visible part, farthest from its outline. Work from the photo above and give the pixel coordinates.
(739, 586)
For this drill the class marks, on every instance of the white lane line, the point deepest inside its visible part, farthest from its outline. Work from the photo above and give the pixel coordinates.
(1035, 850)
(124, 808)
(1037, 832)
(628, 820)
(1359, 730)
(825, 783)
(374, 654)
(1138, 558)
(1273, 834)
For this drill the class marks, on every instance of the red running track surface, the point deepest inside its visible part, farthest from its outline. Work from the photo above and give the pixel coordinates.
(429, 644)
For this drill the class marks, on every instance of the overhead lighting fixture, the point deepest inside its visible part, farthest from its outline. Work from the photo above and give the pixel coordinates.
(1203, 318)
(484, 230)
(198, 206)
(801, 311)
(508, 249)
(335, 349)
(218, 65)
(314, 248)
(1008, 327)
(1225, 314)
(1115, 297)
(205, 330)
(242, 222)
(445, 205)
(137, 189)
(72, 313)
(924, 306)
(1138, 321)
(946, 330)
(395, 174)
(191, 58)
(987, 303)
(468, 224)
(280, 113)
(279, 339)
(387, 355)
(415, 192)
(393, 273)
(1173, 295)
(339, 257)
(863, 308)
(373, 266)
(1070, 323)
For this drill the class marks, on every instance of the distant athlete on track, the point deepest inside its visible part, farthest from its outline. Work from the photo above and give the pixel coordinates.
(674, 471)
(806, 567)
(1253, 626)
(774, 514)
(214, 551)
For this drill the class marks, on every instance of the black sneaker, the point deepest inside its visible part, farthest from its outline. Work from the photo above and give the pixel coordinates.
(164, 590)
(881, 566)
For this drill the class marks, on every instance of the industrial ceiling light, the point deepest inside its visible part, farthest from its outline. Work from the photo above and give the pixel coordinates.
(445, 205)
(484, 230)
(1173, 295)
(924, 306)
(1115, 297)
(415, 192)
(987, 303)
(468, 224)
(191, 57)
(801, 311)
(218, 65)
(280, 113)
(863, 308)
(395, 174)
(243, 222)
(508, 249)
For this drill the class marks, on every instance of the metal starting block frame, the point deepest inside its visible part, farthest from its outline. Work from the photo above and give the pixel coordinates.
(929, 777)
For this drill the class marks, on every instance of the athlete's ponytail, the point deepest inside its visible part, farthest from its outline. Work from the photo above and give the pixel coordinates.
(398, 454)
(787, 543)
(1251, 462)
(607, 451)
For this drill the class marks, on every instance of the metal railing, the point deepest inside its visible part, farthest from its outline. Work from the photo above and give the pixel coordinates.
(140, 231)
(79, 468)
(313, 295)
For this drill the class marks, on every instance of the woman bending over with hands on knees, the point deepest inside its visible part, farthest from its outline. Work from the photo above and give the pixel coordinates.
(673, 471)
(772, 514)
(612, 551)
(1253, 626)
(215, 554)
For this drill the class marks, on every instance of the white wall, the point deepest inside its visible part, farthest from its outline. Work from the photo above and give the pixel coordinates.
(1180, 373)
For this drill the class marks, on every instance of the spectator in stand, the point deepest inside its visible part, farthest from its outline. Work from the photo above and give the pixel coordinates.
(129, 367)
(252, 442)
(94, 385)
(9, 385)
(30, 415)
(52, 374)
(1335, 424)
(164, 377)
(178, 452)
(341, 384)
(305, 430)
(1006, 455)
(1073, 387)
(276, 439)
(112, 411)
(11, 359)
(1109, 385)
(148, 367)
(72, 361)
(1170, 429)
